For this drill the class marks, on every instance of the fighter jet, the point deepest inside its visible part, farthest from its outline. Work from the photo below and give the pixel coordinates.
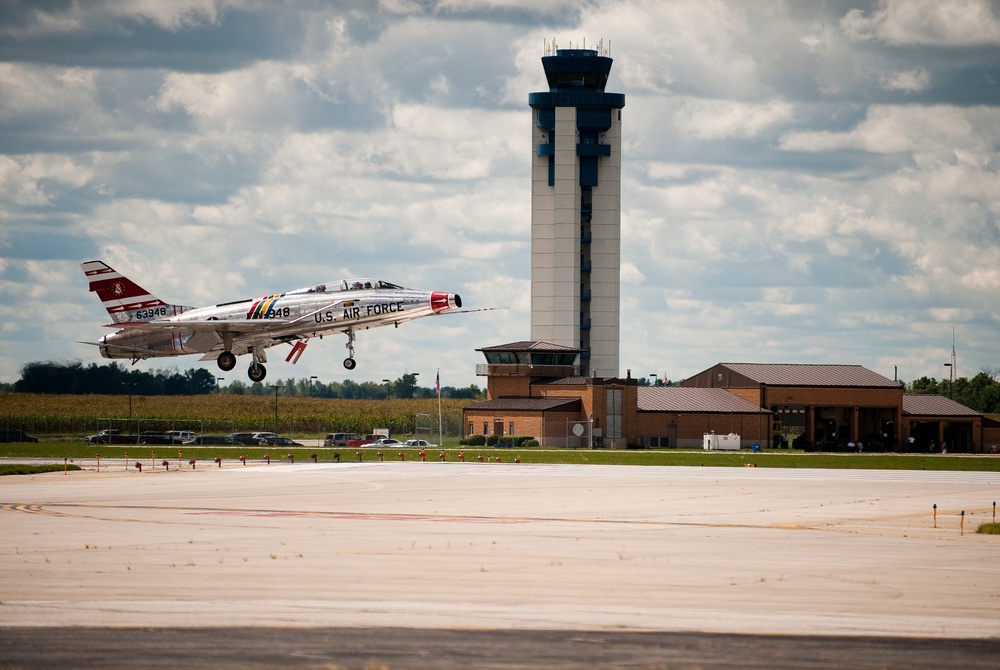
(151, 328)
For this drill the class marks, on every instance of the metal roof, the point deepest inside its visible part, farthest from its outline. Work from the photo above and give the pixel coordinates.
(531, 345)
(684, 399)
(568, 381)
(580, 380)
(793, 374)
(934, 405)
(528, 405)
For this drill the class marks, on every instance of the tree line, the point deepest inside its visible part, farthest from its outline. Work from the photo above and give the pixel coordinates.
(981, 393)
(115, 379)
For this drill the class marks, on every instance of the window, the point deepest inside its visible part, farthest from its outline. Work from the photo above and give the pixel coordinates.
(614, 413)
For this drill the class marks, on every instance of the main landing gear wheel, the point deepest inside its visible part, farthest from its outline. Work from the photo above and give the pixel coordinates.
(226, 361)
(350, 363)
(256, 372)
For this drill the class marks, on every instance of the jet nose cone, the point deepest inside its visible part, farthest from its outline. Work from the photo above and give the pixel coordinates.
(442, 301)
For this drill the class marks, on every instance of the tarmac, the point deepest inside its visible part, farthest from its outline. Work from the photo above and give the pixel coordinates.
(413, 551)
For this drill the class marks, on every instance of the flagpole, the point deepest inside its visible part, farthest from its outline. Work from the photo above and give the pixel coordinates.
(440, 430)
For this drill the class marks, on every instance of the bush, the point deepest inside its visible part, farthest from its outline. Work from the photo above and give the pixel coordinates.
(503, 441)
(989, 529)
(474, 441)
(530, 443)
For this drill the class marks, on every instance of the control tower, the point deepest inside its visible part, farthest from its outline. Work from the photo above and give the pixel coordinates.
(576, 209)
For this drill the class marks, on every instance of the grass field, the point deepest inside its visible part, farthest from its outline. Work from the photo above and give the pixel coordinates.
(205, 456)
(61, 420)
(26, 469)
(78, 415)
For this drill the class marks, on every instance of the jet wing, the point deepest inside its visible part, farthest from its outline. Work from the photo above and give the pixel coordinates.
(136, 351)
(208, 325)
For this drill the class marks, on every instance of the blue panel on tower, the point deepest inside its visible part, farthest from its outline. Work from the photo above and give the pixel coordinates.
(588, 170)
(591, 150)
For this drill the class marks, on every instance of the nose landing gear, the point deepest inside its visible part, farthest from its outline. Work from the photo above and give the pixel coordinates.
(349, 362)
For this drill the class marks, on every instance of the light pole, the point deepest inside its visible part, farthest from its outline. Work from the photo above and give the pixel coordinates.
(217, 380)
(276, 387)
(130, 386)
(311, 384)
(386, 388)
(951, 377)
(653, 375)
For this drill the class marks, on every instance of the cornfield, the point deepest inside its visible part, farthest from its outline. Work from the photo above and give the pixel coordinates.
(44, 415)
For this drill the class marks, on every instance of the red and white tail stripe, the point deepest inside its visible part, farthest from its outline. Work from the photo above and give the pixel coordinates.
(123, 298)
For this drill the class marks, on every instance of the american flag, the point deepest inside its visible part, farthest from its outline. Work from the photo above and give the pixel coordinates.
(437, 383)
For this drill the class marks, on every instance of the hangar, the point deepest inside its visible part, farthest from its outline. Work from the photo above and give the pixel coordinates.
(535, 388)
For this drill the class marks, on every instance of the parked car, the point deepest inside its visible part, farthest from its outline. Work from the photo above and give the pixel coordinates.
(386, 442)
(155, 437)
(262, 437)
(279, 441)
(110, 436)
(181, 436)
(15, 435)
(420, 444)
(342, 440)
(213, 439)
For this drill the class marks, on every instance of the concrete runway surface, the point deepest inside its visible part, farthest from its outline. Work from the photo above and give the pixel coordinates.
(411, 564)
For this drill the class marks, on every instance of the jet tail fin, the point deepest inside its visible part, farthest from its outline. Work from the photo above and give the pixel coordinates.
(123, 298)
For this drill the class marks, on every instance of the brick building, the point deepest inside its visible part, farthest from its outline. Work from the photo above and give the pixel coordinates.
(534, 388)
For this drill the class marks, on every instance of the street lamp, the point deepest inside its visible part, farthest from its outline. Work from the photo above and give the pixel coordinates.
(217, 380)
(951, 377)
(653, 375)
(311, 384)
(386, 388)
(276, 387)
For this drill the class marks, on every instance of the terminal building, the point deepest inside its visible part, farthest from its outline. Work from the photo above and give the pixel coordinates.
(535, 388)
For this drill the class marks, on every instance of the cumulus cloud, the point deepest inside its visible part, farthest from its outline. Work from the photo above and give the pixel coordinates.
(914, 80)
(926, 22)
(716, 119)
(940, 131)
(804, 184)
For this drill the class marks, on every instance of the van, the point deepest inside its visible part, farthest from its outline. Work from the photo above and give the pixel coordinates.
(340, 439)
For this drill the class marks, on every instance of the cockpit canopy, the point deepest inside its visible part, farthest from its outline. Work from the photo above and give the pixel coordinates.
(357, 284)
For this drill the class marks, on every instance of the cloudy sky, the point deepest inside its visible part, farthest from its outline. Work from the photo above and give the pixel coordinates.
(802, 182)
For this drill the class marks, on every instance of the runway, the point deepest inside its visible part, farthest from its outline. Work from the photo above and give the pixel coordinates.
(495, 549)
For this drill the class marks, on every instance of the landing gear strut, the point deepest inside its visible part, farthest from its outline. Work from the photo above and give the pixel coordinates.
(349, 362)
(256, 371)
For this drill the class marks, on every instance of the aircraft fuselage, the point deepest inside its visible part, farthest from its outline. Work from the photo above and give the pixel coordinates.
(151, 328)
